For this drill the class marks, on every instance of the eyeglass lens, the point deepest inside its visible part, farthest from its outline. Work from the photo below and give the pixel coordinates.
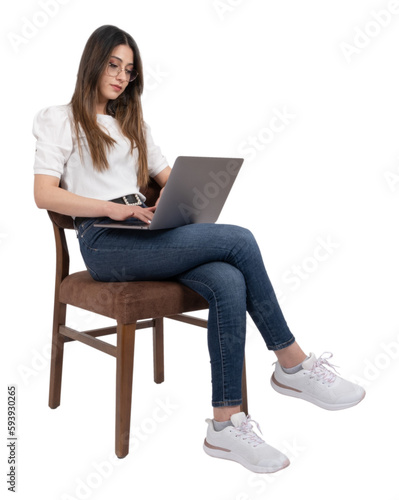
(114, 70)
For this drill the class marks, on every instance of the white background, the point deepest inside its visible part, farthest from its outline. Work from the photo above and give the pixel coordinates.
(216, 72)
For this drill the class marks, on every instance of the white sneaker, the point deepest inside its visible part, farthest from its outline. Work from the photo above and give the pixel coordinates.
(238, 442)
(318, 385)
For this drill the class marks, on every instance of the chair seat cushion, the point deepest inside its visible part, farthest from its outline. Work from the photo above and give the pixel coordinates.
(128, 302)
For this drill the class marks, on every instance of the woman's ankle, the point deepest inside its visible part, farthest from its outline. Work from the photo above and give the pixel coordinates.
(290, 356)
(223, 413)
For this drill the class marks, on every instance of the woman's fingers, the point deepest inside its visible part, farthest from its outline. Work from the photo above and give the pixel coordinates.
(143, 214)
(121, 212)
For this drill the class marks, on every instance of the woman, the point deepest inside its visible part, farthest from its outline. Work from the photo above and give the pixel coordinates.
(92, 158)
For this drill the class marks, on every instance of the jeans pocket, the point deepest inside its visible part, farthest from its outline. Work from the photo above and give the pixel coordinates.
(86, 225)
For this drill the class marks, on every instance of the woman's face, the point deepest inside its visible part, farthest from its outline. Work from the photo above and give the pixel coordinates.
(111, 87)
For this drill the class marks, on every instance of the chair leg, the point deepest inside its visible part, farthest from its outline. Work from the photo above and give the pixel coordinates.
(157, 333)
(244, 405)
(124, 379)
(57, 356)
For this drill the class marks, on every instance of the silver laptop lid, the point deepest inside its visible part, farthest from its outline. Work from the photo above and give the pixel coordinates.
(196, 191)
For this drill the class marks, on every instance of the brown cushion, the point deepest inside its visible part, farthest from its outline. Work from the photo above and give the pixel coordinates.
(128, 302)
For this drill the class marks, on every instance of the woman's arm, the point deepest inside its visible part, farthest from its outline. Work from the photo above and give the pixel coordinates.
(161, 179)
(50, 196)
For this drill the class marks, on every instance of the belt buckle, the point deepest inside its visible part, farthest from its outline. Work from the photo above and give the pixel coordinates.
(138, 202)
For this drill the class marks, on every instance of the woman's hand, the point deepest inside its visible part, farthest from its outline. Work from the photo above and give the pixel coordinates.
(50, 196)
(117, 211)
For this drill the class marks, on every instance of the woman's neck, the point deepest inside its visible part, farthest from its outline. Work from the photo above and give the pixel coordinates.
(101, 108)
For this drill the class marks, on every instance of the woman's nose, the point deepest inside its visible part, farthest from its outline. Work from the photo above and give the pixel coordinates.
(122, 76)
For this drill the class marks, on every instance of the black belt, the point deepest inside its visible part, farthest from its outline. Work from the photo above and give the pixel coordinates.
(129, 199)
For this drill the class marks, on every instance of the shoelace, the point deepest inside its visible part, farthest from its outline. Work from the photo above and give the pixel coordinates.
(320, 371)
(245, 430)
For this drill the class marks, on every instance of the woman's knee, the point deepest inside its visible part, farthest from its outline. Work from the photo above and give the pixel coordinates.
(237, 231)
(218, 281)
(227, 279)
(241, 234)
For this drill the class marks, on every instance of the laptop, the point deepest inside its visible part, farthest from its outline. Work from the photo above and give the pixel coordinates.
(196, 192)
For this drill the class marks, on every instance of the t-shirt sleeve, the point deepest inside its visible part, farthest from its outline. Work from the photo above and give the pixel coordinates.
(156, 161)
(52, 129)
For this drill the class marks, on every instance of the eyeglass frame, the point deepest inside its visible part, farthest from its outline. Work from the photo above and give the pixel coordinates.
(120, 71)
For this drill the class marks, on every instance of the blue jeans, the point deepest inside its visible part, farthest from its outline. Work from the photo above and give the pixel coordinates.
(220, 262)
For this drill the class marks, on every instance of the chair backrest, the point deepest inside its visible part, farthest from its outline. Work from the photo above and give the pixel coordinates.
(61, 222)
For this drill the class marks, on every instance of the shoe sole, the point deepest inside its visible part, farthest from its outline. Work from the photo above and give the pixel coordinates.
(296, 393)
(228, 455)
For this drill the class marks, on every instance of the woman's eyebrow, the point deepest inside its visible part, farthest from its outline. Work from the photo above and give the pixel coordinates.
(119, 59)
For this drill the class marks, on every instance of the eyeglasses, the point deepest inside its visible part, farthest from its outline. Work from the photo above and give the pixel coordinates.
(115, 70)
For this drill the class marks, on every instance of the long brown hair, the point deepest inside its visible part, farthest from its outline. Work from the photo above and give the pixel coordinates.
(126, 109)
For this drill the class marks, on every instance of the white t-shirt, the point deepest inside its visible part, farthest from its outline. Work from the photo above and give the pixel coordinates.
(57, 154)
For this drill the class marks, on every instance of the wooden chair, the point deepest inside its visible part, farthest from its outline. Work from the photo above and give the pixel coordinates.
(127, 303)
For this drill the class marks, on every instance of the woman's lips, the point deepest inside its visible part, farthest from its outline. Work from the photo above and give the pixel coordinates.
(116, 87)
